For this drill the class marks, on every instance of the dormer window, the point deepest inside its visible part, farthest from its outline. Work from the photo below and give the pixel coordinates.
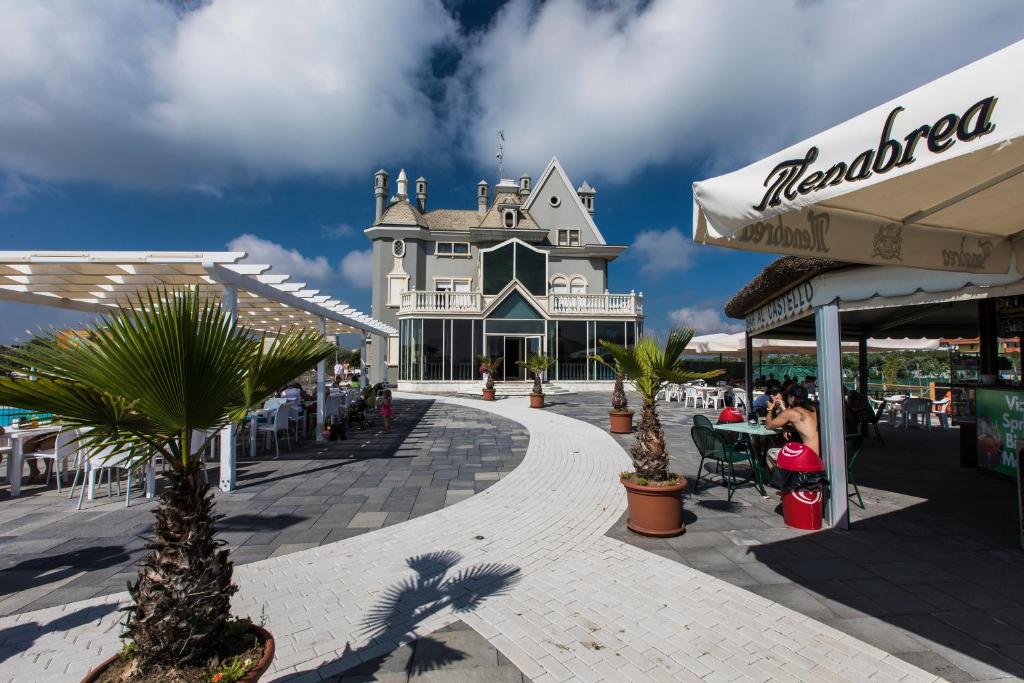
(568, 238)
(509, 218)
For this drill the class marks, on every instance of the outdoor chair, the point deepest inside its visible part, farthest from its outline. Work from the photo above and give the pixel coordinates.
(739, 399)
(64, 448)
(279, 423)
(871, 415)
(703, 421)
(712, 446)
(917, 411)
(690, 396)
(940, 409)
(93, 465)
(716, 398)
(854, 442)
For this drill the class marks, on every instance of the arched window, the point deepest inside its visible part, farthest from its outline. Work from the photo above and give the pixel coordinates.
(559, 285)
(509, 218)
(578, 285)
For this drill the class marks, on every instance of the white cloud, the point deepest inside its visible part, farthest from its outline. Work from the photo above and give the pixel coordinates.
(131, 91)
(338, 231)
(616, 86)
(705, 320)
(357, 268)
(661, 252)
(283, 260)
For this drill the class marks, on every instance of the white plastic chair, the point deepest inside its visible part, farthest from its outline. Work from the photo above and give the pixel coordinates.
(690, 395)
(715, 398)
(739, 399)
(279, 423)
(108, 461)
(64, 448)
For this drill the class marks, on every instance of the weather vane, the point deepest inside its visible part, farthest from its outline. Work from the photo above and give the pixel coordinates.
(501, 154)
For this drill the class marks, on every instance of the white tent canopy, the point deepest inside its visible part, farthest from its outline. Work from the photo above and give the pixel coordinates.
(932, 179)
(732, 345)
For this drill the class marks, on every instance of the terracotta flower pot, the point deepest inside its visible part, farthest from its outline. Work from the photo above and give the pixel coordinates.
(488, 394)
(536, 400)
(621, 422)
(251, 676)
(655, 510)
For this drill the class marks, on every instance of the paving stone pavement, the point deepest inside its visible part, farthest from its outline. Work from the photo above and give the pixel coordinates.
(525, 563)
(321, 492)
(930, 571)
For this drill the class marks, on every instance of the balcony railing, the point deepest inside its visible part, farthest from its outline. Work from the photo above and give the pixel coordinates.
(416, 301)
(601, 304)
(450, 302)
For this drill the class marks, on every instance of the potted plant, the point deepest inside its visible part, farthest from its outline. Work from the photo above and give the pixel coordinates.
(654, 494)
(620, 417)
(538, 365)
(144, 382)
(488, 367)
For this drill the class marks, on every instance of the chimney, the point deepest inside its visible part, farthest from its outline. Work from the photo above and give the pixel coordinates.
(524, 186)
(380, 193)
(586, 193)
(403, 185)
(421, 193)
(481, 197)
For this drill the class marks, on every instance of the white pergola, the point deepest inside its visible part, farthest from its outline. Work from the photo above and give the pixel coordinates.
(100, 281)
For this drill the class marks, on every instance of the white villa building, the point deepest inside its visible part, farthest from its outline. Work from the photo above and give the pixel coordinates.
(525, 272)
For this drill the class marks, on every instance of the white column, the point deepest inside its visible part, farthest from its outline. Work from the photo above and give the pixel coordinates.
(831, 429)
(229, 296)
(321, 372)
(364, 369)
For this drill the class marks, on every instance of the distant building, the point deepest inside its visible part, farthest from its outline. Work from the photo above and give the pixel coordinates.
(525, 272)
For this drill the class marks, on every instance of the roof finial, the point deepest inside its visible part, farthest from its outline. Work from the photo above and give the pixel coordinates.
(501, 154)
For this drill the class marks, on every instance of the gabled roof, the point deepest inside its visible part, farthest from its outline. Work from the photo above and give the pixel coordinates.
(404, 212)
(555, 167)
(493, 217)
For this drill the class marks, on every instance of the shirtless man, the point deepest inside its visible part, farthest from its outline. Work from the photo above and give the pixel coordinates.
(799, 413)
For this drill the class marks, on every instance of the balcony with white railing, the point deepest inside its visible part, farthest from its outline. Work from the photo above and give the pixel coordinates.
(595, 304)
(416, 302)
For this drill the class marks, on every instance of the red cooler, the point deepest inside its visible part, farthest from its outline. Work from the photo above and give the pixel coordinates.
(802, 501)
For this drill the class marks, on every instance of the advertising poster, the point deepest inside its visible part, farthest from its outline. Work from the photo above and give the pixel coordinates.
(1000, 429)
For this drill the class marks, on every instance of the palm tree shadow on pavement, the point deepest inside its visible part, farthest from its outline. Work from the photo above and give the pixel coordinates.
(21, 636)
(407, 604)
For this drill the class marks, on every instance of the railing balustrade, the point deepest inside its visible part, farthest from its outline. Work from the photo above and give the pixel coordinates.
(626, 304)
(427, 302)
(416, 301)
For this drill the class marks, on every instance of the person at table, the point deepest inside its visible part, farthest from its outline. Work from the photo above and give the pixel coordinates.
(762, 402)
(295, 392)
(811, 384)
(798, 416)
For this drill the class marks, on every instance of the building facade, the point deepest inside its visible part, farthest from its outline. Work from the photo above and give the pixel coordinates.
(526, 272)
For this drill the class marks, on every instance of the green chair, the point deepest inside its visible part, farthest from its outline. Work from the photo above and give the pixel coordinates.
(854, 442)
(712, 446)
(702, 421)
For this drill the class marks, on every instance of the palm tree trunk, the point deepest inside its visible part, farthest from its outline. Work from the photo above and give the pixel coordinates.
(619, 401)
(181, 601)
(537, 388)
(649, 457)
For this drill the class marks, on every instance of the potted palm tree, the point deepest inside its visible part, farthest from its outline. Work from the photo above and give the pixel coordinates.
(620, 417)
(537, 364)
(489, 366)
(654, 494)
(142, 382)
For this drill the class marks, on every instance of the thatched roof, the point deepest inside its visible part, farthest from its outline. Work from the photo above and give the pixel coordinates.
(777, 277)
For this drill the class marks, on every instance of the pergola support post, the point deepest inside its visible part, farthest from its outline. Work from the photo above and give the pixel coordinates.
(321, 373)
(862, 374)
(229, 297)
(832, 432)
(748, 369)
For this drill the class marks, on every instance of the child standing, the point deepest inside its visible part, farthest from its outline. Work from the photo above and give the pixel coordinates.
(385, 409)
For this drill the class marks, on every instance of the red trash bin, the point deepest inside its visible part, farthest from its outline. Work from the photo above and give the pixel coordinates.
(802, 505)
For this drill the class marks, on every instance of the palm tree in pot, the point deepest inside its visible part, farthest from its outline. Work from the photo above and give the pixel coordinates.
(142, 383)
(537, 364)
(653, 492)
(489, 366)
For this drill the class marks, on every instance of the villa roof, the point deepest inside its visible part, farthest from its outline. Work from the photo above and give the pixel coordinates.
(778, 276)
(403, 212)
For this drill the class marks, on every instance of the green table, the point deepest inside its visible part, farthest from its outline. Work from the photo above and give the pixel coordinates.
(751, 432)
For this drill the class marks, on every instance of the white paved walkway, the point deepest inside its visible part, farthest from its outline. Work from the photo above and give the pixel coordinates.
(527, 565)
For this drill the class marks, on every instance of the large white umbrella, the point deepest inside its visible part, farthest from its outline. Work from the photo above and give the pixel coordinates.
(932, 179)
(724, 344)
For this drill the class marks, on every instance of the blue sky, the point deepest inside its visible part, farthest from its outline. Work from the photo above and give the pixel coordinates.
(151, 124)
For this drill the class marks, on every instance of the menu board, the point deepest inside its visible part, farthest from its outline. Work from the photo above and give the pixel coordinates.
(1000, 429)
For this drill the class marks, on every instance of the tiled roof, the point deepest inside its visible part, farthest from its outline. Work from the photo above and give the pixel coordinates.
(452, 219)
(403, 212)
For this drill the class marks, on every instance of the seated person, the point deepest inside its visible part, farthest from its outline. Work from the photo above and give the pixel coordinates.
(811, 384)
(292, 392)
(762, 402)
(797, 412)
